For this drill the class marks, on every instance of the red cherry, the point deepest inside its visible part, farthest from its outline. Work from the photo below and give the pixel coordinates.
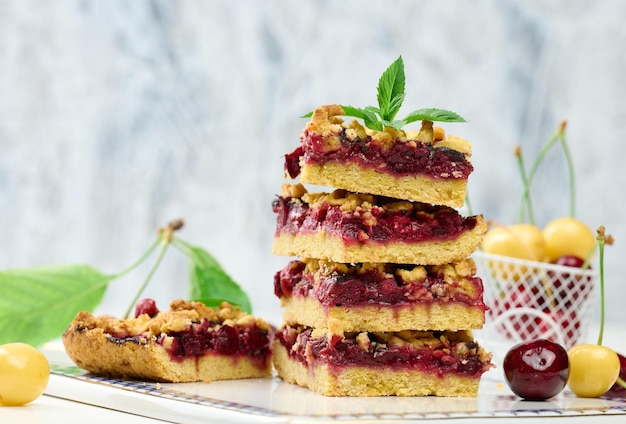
(146, 306)
(536, 370)
(570, 260)
(568, 287)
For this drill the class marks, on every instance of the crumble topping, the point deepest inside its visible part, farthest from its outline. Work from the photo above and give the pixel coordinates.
(359, 203)
(415, 338)
(182, 315)
(357, 218)
(342, 284)
(456, 351)
(326, 121)
(453, 272)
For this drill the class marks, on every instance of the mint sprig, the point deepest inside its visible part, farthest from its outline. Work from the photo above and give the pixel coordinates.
(37, 304)
(391, 90)
(390, 96)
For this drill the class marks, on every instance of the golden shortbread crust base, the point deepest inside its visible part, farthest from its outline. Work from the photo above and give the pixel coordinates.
(434, 316)
(324, 246)
(353, 177)
(364, 381)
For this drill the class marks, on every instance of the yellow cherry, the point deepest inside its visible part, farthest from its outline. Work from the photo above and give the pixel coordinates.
(568, 236)
(521, 241)
(24, 373)
(593, 369)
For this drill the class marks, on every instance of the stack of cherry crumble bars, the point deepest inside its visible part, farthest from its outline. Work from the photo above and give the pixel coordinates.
(381, 296)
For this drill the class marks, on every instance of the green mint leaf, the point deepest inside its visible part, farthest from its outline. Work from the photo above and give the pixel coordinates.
(390, 98)
(38, 304)
(432, 114)
(395, 124)
(391, 90)
(371, 121)
(368, 115)
(208, 280)
(374, 110)
(354, 112)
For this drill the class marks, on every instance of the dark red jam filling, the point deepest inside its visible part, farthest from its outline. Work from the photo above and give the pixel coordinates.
(431, 223)
(340, 352)
(372, 288)
(401, 160)
(202, 338)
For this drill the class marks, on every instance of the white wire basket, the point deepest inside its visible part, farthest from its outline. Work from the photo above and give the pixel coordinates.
(528, 300)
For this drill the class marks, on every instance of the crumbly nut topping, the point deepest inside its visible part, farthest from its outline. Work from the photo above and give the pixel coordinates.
(459, 272)
(414, 338)
(182, 315)
(455, 143)
(460, 344)
(417, 273)
(327, 122)
(363, 341)
(335, 327)
(295, 191)
(358, 203)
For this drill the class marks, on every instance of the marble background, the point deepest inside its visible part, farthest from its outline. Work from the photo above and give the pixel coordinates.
(117, 116)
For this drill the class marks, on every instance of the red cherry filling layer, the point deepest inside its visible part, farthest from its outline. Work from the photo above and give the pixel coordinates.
(378, 284)
(205, 338)
(399, 158)
(440, 353)
(379, 223)
(192, 330)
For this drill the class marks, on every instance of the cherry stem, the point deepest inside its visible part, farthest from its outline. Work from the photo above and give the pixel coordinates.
(140, 260)
(601, 259)
(164, 245)
(570, 169)
(558, 136)
(587, 262)
(526, 202)
(621, 382)
(164, 239)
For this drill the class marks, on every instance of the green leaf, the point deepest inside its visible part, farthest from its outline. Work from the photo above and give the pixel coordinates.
(355, 112)
(395, 124)
(432, 114)
(38, 304)
(368, 115)
(371, 120)
(208, 280)
(391, 90)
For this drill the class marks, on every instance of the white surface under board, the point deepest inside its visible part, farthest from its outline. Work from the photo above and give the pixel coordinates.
(271, 400)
